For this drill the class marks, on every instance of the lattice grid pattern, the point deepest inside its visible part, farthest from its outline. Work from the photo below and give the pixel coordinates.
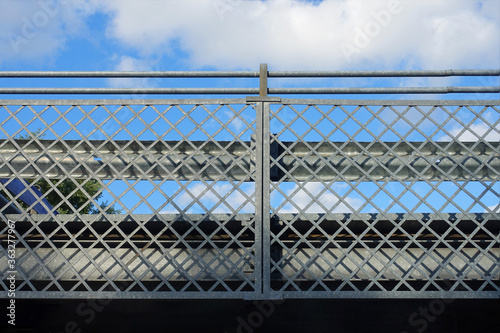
(155, 165)
(391, 198)
(170, 199)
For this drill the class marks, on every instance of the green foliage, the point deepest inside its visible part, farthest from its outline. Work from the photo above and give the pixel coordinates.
(36, 134)
(111, 209)
(76, 199)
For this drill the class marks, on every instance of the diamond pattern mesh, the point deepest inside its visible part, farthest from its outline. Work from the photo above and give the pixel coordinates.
(384, 198)
(166, 198)
(143, 199)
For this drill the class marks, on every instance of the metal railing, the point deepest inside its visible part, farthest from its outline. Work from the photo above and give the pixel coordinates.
(252, 197)
(263, 90)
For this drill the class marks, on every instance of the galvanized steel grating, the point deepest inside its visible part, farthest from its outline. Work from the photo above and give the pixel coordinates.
(166, 238)
(249, 198)
(378, 198)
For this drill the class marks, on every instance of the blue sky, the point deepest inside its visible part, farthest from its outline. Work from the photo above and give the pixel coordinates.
(236, 34)
(102, 35)
(132, 35)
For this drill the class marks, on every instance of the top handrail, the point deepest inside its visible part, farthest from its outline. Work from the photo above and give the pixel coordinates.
(129, 74)
(246, 74)
(263, 90)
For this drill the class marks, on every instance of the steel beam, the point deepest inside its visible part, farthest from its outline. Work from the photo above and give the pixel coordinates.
(183, 160)
(54, 264)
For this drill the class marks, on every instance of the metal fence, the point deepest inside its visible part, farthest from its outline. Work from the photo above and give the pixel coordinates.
(253, 197)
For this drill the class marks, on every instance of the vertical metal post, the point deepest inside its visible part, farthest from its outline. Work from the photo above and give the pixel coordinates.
(263, 80)
(266, 201)
(260, 252)
(262, 199)
(263, 179)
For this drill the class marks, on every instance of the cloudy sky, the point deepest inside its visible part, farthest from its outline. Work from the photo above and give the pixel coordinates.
(137, 35)
(237, 34)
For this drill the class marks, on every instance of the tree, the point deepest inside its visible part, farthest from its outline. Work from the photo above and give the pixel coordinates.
(77, 201)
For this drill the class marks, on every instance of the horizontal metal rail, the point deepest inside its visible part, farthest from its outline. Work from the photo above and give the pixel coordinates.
(183, 161)
(384, 90)
(163, 160)
(64, 255)
(245, 91)
(343, 226)
(358, 102)
(140, 271)
(415, 73)
(379, 162)
(263, 90)
(240, 148)
(247, 74)
(129, 91)
(247, 100)
(128, 74)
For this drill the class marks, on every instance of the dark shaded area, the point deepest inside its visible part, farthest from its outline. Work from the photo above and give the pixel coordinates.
(368, 315)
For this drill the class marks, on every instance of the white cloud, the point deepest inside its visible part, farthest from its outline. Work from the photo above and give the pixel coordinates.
(494, 208)
(236, 124)
(126, 63)
(475, 131)
(196, 194)
(300, 34)
(132, 64)
(317, 202)
(34, 30)
(287, 34)
(199, 193)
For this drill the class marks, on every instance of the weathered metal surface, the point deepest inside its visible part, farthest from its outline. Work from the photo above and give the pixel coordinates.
(324, 217)
(158, 160)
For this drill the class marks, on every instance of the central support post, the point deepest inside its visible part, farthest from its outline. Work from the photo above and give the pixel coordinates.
(263, 80)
